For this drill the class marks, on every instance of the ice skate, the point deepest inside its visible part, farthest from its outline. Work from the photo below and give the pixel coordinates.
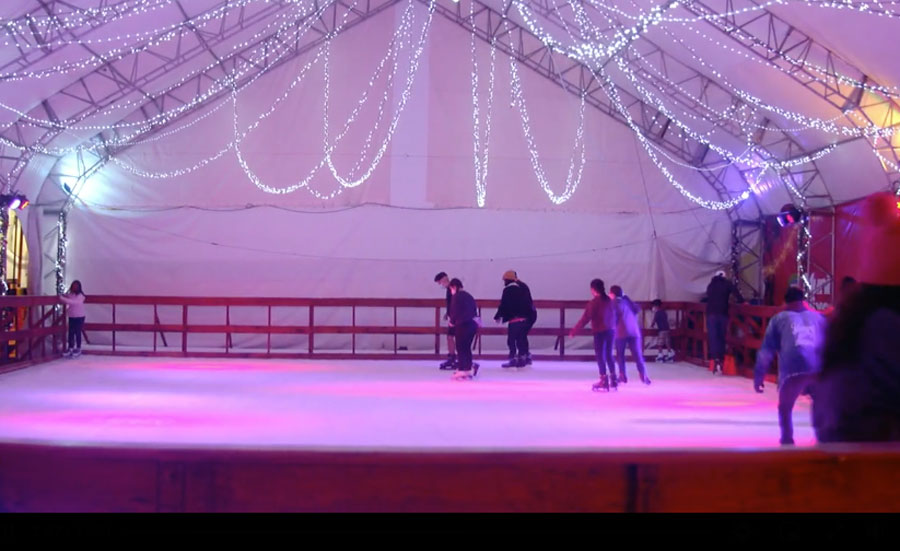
(462, 376)
(602, 385)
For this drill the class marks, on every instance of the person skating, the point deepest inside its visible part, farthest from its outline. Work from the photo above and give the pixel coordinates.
(628, 333)
(600, 311)
(444, 281)
(516, 310)
(796, 335)
(463, 316)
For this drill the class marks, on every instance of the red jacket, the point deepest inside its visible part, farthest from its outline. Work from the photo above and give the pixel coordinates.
(601, 311)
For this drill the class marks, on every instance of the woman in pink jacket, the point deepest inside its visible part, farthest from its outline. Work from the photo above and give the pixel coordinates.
(74, 301)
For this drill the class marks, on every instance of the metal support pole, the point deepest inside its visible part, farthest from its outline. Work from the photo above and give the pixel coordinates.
(4, 230)
(62, 243)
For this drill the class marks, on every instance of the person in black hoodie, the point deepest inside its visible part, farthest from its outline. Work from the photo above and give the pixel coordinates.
(718, 293)
(463, 314)
(443, 280)
(516, 309)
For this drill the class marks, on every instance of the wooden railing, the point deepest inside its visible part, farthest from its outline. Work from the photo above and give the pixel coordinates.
(38, 327)
(746, 328)
(32, 329)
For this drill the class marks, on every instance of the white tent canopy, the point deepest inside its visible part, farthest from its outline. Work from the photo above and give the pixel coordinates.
(172, 211)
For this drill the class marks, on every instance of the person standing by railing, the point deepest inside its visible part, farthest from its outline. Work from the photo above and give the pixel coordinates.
(796, 335)
(600, 311)
(718, 294)
(74, 301)
(628, 333)
(463, 318)
(663, 345)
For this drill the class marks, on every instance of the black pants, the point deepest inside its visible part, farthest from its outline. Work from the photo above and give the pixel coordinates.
(787, 397)
(517, 338)
(636, 351)
(717, 327)
(603, 344)
(465, 334)
(75, 327)
(530, 323)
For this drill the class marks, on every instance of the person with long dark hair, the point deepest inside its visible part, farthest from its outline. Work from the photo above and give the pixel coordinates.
(600, 311)
(857, 395)
(74, 301)
(796, 335)
(628, 333)
(463, 318)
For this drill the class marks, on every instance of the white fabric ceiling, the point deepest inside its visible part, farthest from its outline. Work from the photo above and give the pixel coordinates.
(417, 214)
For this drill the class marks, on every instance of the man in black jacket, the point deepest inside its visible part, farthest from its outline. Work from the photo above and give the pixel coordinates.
(718, 293)
(516, 309)
(443, 280)
(463, 315)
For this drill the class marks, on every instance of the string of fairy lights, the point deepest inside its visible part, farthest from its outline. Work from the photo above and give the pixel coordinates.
(601, 34)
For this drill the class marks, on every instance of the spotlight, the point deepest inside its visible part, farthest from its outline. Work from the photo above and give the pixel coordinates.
(13, 202)
(788, 216)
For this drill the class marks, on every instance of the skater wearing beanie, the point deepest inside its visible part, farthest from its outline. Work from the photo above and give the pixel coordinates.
(600, 311)
(515, 309)
(796, 335)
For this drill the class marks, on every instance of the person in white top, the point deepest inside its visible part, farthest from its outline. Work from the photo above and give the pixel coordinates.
(74, 300)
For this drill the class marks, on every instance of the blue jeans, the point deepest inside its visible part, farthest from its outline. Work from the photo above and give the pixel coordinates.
(636, 351)
(603, 343)
(790, 389)
(717, 327)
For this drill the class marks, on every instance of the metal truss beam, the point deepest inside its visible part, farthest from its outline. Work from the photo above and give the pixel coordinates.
(666, 69)
(569, 74)
(780, 43)
(277, 49)
(654, 66)
(37, 34)
(115, 80)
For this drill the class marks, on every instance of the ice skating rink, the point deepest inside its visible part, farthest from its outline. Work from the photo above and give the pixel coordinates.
(383, 405)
